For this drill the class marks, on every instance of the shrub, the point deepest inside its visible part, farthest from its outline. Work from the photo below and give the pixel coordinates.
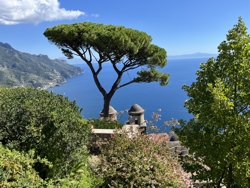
(105, 123)
(80, 176)
(16, 169)
(48, 123)
(96, 140)
(139, 162)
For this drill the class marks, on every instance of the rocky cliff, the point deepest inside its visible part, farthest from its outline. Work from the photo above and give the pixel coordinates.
(24, 69)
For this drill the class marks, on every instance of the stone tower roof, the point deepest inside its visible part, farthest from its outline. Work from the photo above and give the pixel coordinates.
(111, 110)
(136, 109)
(174, 138)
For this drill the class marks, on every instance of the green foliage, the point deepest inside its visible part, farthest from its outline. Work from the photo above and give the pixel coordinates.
(84, 179)
(124, 48)
(105, 124)
(18, 68)
(80, 176)
(138, 162)
(48, 123)
(16, 169)
(219, 133)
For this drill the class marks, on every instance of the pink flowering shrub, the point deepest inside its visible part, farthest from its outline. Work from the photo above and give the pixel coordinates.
(139, 162)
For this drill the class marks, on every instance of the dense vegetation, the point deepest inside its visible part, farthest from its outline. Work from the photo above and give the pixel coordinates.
(139, 162)
(105, 124)
(124, 48)
(18, 68)
(49, 124)
(16, 169)
(219, 133)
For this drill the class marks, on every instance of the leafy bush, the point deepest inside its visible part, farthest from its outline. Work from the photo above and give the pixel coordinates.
(139, 162)
(218, 135)
(16, 169)
(80, 176)
(84, 179)
(48, 123)
(105, 123)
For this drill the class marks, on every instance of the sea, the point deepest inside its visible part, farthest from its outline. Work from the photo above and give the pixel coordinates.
(168, 101)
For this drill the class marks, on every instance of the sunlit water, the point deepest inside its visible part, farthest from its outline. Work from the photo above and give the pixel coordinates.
(150, 96)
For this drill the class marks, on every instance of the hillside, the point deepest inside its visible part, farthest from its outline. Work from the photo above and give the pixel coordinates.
(23, 69)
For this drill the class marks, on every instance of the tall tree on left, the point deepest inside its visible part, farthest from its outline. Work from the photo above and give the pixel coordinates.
(128, 48)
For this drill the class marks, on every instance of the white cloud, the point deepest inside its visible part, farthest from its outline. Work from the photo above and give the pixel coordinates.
(95, 15)
(34, 11)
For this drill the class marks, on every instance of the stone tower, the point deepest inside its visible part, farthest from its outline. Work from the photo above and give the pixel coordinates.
(136, 117)
(112, 113)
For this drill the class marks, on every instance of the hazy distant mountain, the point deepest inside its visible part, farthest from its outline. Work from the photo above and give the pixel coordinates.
(195, 55)
(19, 68)
(77, 60)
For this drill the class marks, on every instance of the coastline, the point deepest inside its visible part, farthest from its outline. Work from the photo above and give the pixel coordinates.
(55, 84)
(52, 84)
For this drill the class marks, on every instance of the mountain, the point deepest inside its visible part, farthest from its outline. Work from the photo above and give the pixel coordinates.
(195, 55)
(23, 69)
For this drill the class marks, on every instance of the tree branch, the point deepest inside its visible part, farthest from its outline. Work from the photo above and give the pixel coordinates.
(94, 56)
(130, 82)
(94, 73)
(116, 69)
(99, 67)
(83, 50)
(90, 54)
(131, 68)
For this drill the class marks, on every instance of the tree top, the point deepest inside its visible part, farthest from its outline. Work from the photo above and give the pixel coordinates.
(111, 43)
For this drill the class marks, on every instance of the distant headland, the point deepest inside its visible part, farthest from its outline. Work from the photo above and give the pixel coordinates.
(195, 55)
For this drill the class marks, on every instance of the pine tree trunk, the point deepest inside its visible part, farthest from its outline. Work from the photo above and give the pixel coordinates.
(106, 106)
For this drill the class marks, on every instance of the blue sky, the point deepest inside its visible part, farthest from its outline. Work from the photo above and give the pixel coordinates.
(179, 26)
